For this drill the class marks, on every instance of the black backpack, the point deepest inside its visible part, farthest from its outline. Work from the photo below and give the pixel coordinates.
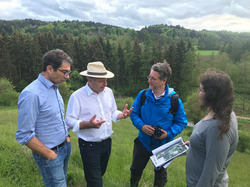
(174, 102)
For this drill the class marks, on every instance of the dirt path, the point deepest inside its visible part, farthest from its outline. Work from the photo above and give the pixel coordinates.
(241, 117)
(246, 118)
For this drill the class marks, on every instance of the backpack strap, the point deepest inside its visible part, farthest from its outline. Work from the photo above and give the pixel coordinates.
(174, 104)
(143, 97)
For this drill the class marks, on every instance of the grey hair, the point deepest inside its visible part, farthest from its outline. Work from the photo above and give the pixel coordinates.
(163, 69)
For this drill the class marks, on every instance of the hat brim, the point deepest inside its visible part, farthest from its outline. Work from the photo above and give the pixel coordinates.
(108, 75)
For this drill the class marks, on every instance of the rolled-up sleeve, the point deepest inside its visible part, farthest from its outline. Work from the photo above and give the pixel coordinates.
(28, 111)
(115, 115)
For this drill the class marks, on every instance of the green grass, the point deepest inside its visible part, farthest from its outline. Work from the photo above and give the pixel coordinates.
(19, 169)
(207, 52)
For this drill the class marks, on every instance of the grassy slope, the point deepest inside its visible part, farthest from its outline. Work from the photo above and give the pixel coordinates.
(19, 169)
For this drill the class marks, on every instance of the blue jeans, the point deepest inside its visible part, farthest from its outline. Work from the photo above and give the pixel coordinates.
(54, 171)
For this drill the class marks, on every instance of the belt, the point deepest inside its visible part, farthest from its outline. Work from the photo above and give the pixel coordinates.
(58, 146)
(102, 141)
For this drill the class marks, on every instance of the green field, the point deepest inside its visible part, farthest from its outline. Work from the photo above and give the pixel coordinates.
(19, 169)
(207, 52)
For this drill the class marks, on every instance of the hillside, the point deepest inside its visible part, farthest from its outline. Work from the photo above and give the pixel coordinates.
(206, 40)
(126, 52)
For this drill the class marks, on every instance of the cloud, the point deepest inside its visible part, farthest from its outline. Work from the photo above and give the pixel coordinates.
(216, 23)
(196, 14)
(7, 6)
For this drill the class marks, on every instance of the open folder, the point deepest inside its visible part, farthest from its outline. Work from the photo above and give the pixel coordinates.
(163, 155)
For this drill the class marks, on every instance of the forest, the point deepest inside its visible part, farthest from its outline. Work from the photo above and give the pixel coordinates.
(128, 53)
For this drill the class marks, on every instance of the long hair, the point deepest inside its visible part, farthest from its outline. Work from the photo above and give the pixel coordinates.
(219, 96)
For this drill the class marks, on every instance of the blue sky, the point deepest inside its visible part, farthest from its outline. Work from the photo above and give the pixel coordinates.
(230, 15)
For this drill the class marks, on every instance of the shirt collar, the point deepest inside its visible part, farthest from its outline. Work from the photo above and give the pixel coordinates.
(88, 89)
(161, 96)
(45, 81)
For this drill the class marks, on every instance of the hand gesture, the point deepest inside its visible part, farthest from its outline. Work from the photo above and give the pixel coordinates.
(96, 123)
(126, 113)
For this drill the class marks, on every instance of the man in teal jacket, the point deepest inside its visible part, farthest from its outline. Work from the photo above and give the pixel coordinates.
(155, 111)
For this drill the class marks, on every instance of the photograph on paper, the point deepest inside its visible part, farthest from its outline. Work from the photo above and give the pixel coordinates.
(168, 152)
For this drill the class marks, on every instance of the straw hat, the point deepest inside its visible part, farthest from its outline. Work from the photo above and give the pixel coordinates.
(97, 70)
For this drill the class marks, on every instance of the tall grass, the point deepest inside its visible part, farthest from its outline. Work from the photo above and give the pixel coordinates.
(19, 169)
(17, 165)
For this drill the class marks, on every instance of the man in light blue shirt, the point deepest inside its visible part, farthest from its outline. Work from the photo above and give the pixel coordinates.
(41, 125)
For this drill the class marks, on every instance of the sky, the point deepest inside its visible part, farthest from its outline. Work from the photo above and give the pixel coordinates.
(214, 15)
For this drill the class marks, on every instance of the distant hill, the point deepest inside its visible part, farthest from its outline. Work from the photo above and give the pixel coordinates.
(205, 40)
(58, 27)
(127, 52)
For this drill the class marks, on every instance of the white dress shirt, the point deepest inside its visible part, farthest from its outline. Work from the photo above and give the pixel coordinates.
(84, 104)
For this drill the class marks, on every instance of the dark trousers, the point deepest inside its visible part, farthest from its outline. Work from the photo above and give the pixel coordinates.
(95, 156)
(140, 160)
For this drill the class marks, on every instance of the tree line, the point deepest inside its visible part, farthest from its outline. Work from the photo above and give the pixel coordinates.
(126, 52)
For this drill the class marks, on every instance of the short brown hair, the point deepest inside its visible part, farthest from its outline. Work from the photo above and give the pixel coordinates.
(55, 58)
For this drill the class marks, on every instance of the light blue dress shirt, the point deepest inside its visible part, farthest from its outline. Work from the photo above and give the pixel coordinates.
(41, 114)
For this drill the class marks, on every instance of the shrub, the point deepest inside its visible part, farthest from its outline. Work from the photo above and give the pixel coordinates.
(244, 141)
(21, 85)
(188, 131)
(192, 108)
(5, 85)
(132, 90)
(129, 101)
(76, 80)
(65, 91)
(121, 101)
(8, 96)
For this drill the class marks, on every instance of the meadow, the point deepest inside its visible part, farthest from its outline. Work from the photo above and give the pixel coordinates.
(19, 169)
(207, 52)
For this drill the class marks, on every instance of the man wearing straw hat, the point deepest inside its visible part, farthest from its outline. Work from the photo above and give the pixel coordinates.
(91, 110)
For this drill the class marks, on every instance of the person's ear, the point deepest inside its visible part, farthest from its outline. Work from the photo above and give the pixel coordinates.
(49, 69)
(90, 80)
(165, 81)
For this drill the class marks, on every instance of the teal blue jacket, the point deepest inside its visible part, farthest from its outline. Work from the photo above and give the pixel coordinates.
(156, 112)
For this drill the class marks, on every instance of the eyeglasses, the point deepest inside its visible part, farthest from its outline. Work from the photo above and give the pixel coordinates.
(200, 90)
(151, 78)
(66, 73)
